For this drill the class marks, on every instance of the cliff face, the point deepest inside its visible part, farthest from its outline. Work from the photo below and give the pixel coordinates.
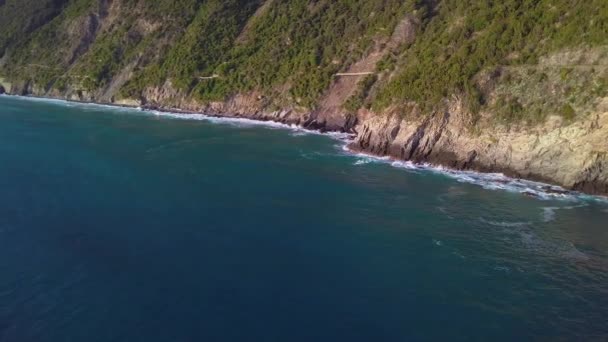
(516, 87)
(574, 156)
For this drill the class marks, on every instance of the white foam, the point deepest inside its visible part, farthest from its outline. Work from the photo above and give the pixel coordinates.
(405, 165)
(362, 162)
(245, 122)
(489, 181)
(74, 104)
(363, 159)
(504, 224)
(234, 121)
(549, 212)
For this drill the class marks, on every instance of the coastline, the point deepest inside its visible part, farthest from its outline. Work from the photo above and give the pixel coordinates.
(502, 181)
(488, 180)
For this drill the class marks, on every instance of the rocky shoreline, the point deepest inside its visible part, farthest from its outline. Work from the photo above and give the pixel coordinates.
(542, 117)
(573, 156)
(547, 155)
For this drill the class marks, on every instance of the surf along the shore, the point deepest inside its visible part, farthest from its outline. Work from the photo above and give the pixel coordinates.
(489, 181)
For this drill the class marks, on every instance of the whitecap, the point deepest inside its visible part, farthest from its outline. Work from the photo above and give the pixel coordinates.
(504, 224)
(437, 242)
(549, 214)
(362, 162)
(363, 159)
(405, 165)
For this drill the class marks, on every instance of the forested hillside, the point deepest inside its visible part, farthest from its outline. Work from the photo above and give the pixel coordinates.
(289, 51)
(512, 86)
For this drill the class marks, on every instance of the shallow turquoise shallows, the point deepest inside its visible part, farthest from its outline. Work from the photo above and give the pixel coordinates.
(121, 225)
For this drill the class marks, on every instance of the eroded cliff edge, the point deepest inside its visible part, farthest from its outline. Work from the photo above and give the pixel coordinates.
(574, 156)
(515, 87)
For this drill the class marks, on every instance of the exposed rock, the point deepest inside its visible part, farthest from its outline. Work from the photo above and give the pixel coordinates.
(574, 156)
(244, 35)
(82, 33)
(405, 32)
(568, 148)
(121, 78)
(330, 113)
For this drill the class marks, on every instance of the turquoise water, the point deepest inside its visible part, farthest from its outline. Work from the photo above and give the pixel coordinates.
(119, 225)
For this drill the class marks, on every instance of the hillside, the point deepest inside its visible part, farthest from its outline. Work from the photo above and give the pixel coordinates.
(515, 86)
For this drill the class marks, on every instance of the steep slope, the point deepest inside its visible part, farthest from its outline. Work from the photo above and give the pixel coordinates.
(514, 86)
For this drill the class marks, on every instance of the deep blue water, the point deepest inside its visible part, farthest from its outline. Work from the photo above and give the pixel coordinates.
(118, 225)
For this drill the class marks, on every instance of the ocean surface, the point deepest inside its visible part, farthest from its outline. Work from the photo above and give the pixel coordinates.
(124, 225)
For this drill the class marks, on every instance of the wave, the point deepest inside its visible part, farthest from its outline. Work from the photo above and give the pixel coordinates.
(77, 104)
(363, 160)
(245, 122)
(505, 224)
(239, 122)
(549, 212)
(489, 181)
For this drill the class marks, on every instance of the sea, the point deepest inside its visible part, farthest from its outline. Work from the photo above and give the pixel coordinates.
(121, 224)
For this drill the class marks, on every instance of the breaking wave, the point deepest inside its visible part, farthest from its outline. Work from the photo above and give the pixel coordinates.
(238, 122)
(489, 181)
(504, 223)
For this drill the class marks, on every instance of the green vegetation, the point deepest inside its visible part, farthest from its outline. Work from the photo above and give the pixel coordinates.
(461, 38)
(290, 51)
(357, 100)
(21, 17)
(298, 42)
(567, 112)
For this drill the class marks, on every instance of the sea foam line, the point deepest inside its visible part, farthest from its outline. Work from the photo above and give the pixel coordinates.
(234, 121)
(489, 181)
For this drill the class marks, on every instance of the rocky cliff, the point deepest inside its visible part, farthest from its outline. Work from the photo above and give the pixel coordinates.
(516, 87)
(573, 155)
